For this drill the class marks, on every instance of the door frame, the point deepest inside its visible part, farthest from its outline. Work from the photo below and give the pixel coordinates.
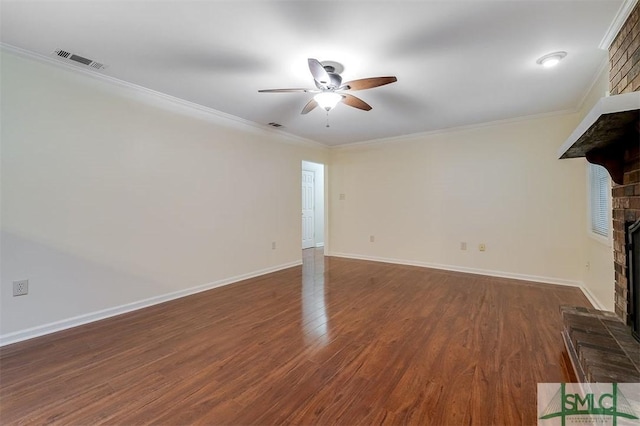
(311, 211)
(325, 198)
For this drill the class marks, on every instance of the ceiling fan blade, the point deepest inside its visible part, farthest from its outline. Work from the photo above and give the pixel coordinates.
(309, 106)
(352, 101)
(285, 90)
(318, 72)
(367, 83)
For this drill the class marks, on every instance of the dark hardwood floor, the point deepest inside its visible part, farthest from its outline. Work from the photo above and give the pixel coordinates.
(336, 341)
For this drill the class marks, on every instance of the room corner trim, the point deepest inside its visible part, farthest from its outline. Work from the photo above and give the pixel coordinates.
(41, 330)
(593, 299)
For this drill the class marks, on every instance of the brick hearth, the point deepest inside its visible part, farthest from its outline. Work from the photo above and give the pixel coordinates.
(600, 346)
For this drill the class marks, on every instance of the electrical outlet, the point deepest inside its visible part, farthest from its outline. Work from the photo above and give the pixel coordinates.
(463, 246)
(273, 245)
(482, 247)
(20, 288)
(372, 238)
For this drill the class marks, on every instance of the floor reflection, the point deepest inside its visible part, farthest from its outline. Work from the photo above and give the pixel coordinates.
(315, 323)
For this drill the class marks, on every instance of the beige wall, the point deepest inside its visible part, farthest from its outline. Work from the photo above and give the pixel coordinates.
(599, 279)
(111, 197)
(501, 185)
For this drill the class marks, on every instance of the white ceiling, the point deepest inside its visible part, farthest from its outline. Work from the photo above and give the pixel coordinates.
(457, 62)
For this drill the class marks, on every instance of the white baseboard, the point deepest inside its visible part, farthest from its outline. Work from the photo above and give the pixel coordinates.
(41, 330)
(487, 272)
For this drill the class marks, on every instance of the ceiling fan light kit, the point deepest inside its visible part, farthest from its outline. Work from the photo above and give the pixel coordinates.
(327, 100)
(330, 89)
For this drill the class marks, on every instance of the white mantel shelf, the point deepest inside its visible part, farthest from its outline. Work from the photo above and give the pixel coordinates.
(626, 105)
(611, 126)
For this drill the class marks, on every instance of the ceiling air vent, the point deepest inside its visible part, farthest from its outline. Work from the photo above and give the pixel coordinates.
(79, 59)
(272, 124)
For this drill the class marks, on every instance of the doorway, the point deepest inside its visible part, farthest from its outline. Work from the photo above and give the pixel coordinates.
(312, 205)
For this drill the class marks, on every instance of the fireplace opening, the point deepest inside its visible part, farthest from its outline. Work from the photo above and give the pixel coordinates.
(633, 277)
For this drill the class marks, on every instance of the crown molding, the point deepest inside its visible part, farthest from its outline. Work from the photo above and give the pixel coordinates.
(414, 136)
(202, 112)
(164, 100)
(618, 21)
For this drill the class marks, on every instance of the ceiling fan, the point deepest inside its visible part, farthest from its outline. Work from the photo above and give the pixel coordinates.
(330, 88)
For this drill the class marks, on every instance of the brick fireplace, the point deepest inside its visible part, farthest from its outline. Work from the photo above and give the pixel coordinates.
(610, 136)
(600, 344)
(624, 77)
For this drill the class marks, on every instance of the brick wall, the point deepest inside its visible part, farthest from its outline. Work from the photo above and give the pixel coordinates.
(624, 56)
(624, 74)
(626, 209)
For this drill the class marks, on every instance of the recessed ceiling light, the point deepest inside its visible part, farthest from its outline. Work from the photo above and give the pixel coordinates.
(551, 59)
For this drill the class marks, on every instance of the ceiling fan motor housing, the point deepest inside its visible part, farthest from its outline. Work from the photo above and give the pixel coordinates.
(335, 80)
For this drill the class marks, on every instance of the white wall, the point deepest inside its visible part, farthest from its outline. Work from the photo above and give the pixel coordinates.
(108, 199)
(501, 185)
(319, 196)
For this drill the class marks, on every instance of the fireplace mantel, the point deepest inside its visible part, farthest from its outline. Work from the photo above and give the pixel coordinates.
(611, 126)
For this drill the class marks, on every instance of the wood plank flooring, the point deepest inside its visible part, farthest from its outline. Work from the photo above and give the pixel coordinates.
(335, 341)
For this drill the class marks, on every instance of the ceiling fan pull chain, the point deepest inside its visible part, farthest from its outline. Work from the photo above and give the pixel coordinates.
(327, 118)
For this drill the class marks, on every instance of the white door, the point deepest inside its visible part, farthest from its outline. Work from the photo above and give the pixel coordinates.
(307, 210)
